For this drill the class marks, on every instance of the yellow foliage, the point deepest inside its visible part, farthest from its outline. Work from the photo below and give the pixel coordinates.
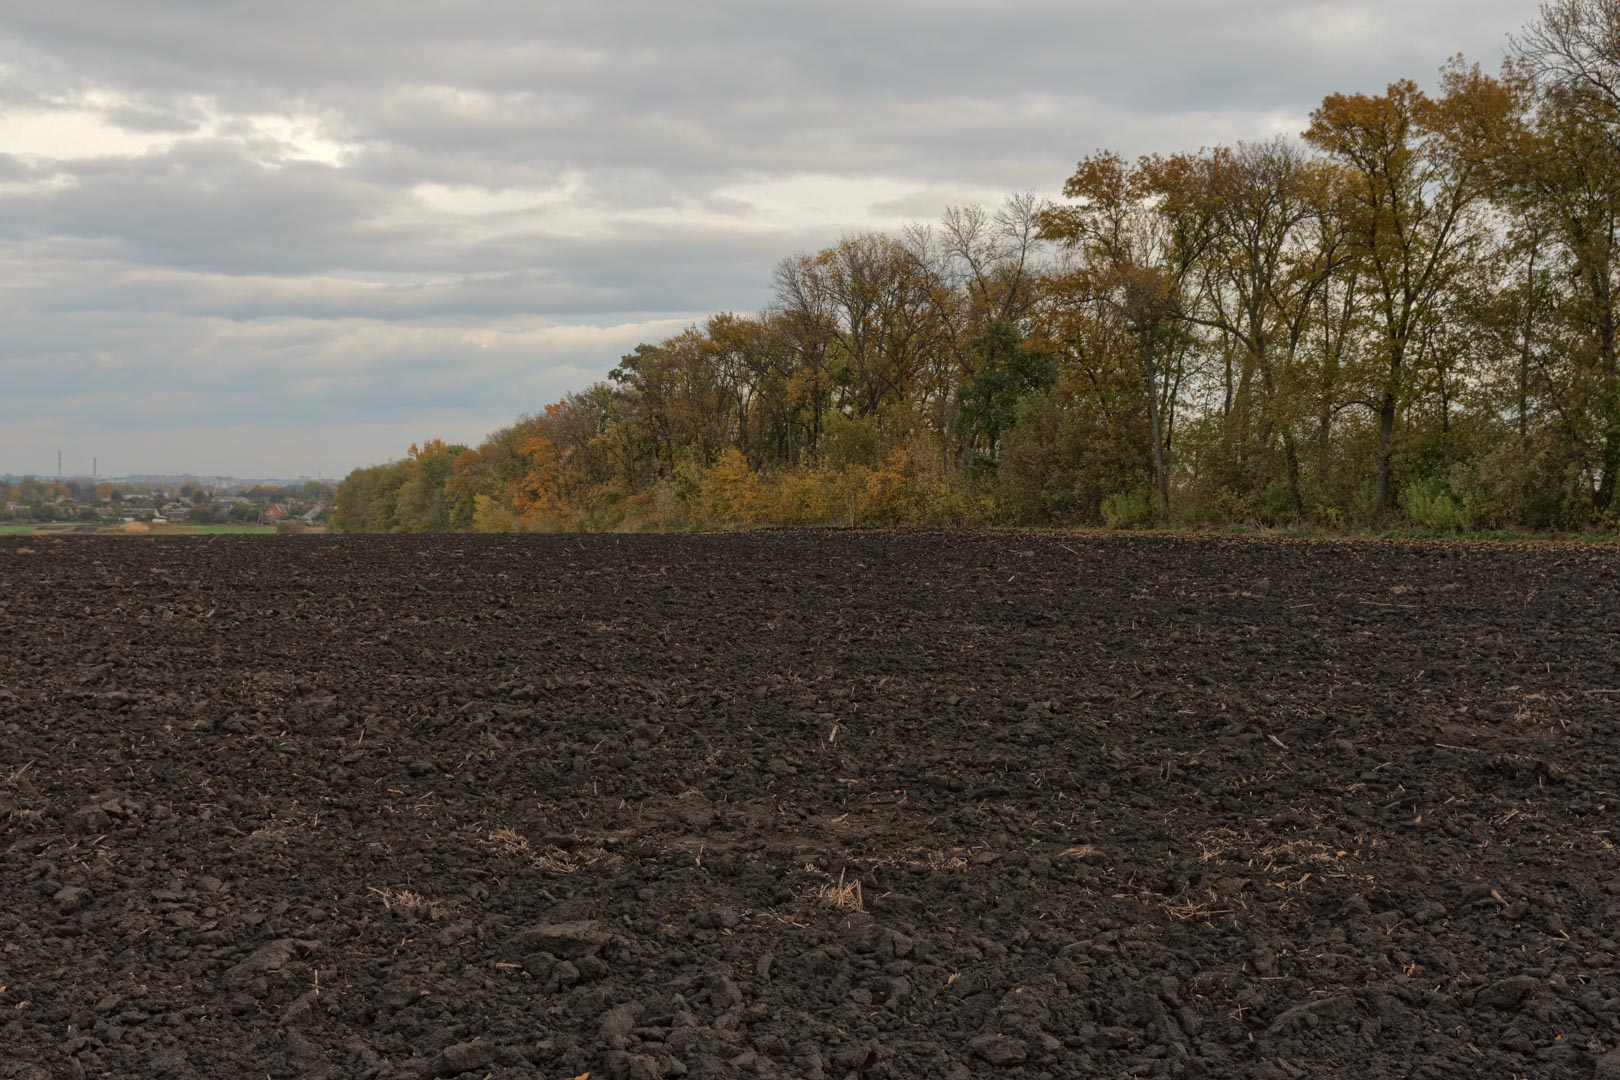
(427, 449)
(890, 491)
(803, 497)
(492, 516)
(731, 490)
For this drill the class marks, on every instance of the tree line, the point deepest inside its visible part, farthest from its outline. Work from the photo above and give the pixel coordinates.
(1409, 313)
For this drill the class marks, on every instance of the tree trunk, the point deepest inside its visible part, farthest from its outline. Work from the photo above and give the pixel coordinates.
(1161, 475)
(1609, 456)
(1610, 459)
(1611, 466)
(1386, 436)
(1526, 337)
(1296, 501)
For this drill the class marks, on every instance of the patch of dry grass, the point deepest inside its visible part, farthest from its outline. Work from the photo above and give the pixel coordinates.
(508, 842)
(843, 894)
(1190, 908)
(1296, 853)
(554, 860)
(410, 905)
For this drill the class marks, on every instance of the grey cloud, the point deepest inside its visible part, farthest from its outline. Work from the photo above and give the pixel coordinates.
(208, 204)
(276, 254)
(152, 121)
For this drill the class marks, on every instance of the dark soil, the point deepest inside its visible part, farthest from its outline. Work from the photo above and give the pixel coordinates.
(520, 807)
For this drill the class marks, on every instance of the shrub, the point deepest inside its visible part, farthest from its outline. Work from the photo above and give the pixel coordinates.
(1429, 504)
(1539, 486)
(848, 441)
(1131, 509)
(1059, 465)
(802, 497)
(889, 493)
(731, 491)
(492, 516)
(956, 507)
(659, 506)
(607, 508)
(1231, 507)
(1273, 505)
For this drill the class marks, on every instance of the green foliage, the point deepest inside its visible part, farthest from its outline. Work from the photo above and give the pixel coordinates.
(1010, 370)
(1061, 460)
(849, 442)
(1429, 504)
(1129, 509)
(1271, 505)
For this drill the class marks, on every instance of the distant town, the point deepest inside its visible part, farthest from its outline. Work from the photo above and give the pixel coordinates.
(163, 500)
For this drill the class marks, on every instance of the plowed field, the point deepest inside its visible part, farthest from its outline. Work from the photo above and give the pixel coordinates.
(807, 805)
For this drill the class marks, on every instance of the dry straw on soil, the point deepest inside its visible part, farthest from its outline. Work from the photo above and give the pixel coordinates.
(843, 894)
(410, 905)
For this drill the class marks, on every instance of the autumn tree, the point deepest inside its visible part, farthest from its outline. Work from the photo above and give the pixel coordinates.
(1558, 171)
(1573, 48)
(1138, 235)
(1274, 248)
(422, 503)
(1416, 176)
(538, 494)
(1007, 370)
(983, 273)
(866, 320)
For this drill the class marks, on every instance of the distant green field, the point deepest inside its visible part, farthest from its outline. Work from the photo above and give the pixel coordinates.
(79, 529)
(216, 530)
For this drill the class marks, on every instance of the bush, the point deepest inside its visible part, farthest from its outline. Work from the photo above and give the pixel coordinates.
(1059, 465)
(1128, 509)
(889, 494)
(1429, 504)
(802, 497)
(1330, 517)
(1227, 506)
(1273, 506)
(1535, 486)
(957, 507)
(848, 442)
(731, 492)
(608, 508)
(654, 508)
(491, 516)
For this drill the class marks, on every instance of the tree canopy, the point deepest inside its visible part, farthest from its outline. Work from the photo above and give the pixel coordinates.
(1409, 312)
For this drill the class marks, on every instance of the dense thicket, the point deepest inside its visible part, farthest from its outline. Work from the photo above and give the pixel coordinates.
(1410, 312)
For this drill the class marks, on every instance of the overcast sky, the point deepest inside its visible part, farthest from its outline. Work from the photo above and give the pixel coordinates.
(282, 239)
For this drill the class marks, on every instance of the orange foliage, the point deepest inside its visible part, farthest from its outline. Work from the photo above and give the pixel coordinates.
(537, 495)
